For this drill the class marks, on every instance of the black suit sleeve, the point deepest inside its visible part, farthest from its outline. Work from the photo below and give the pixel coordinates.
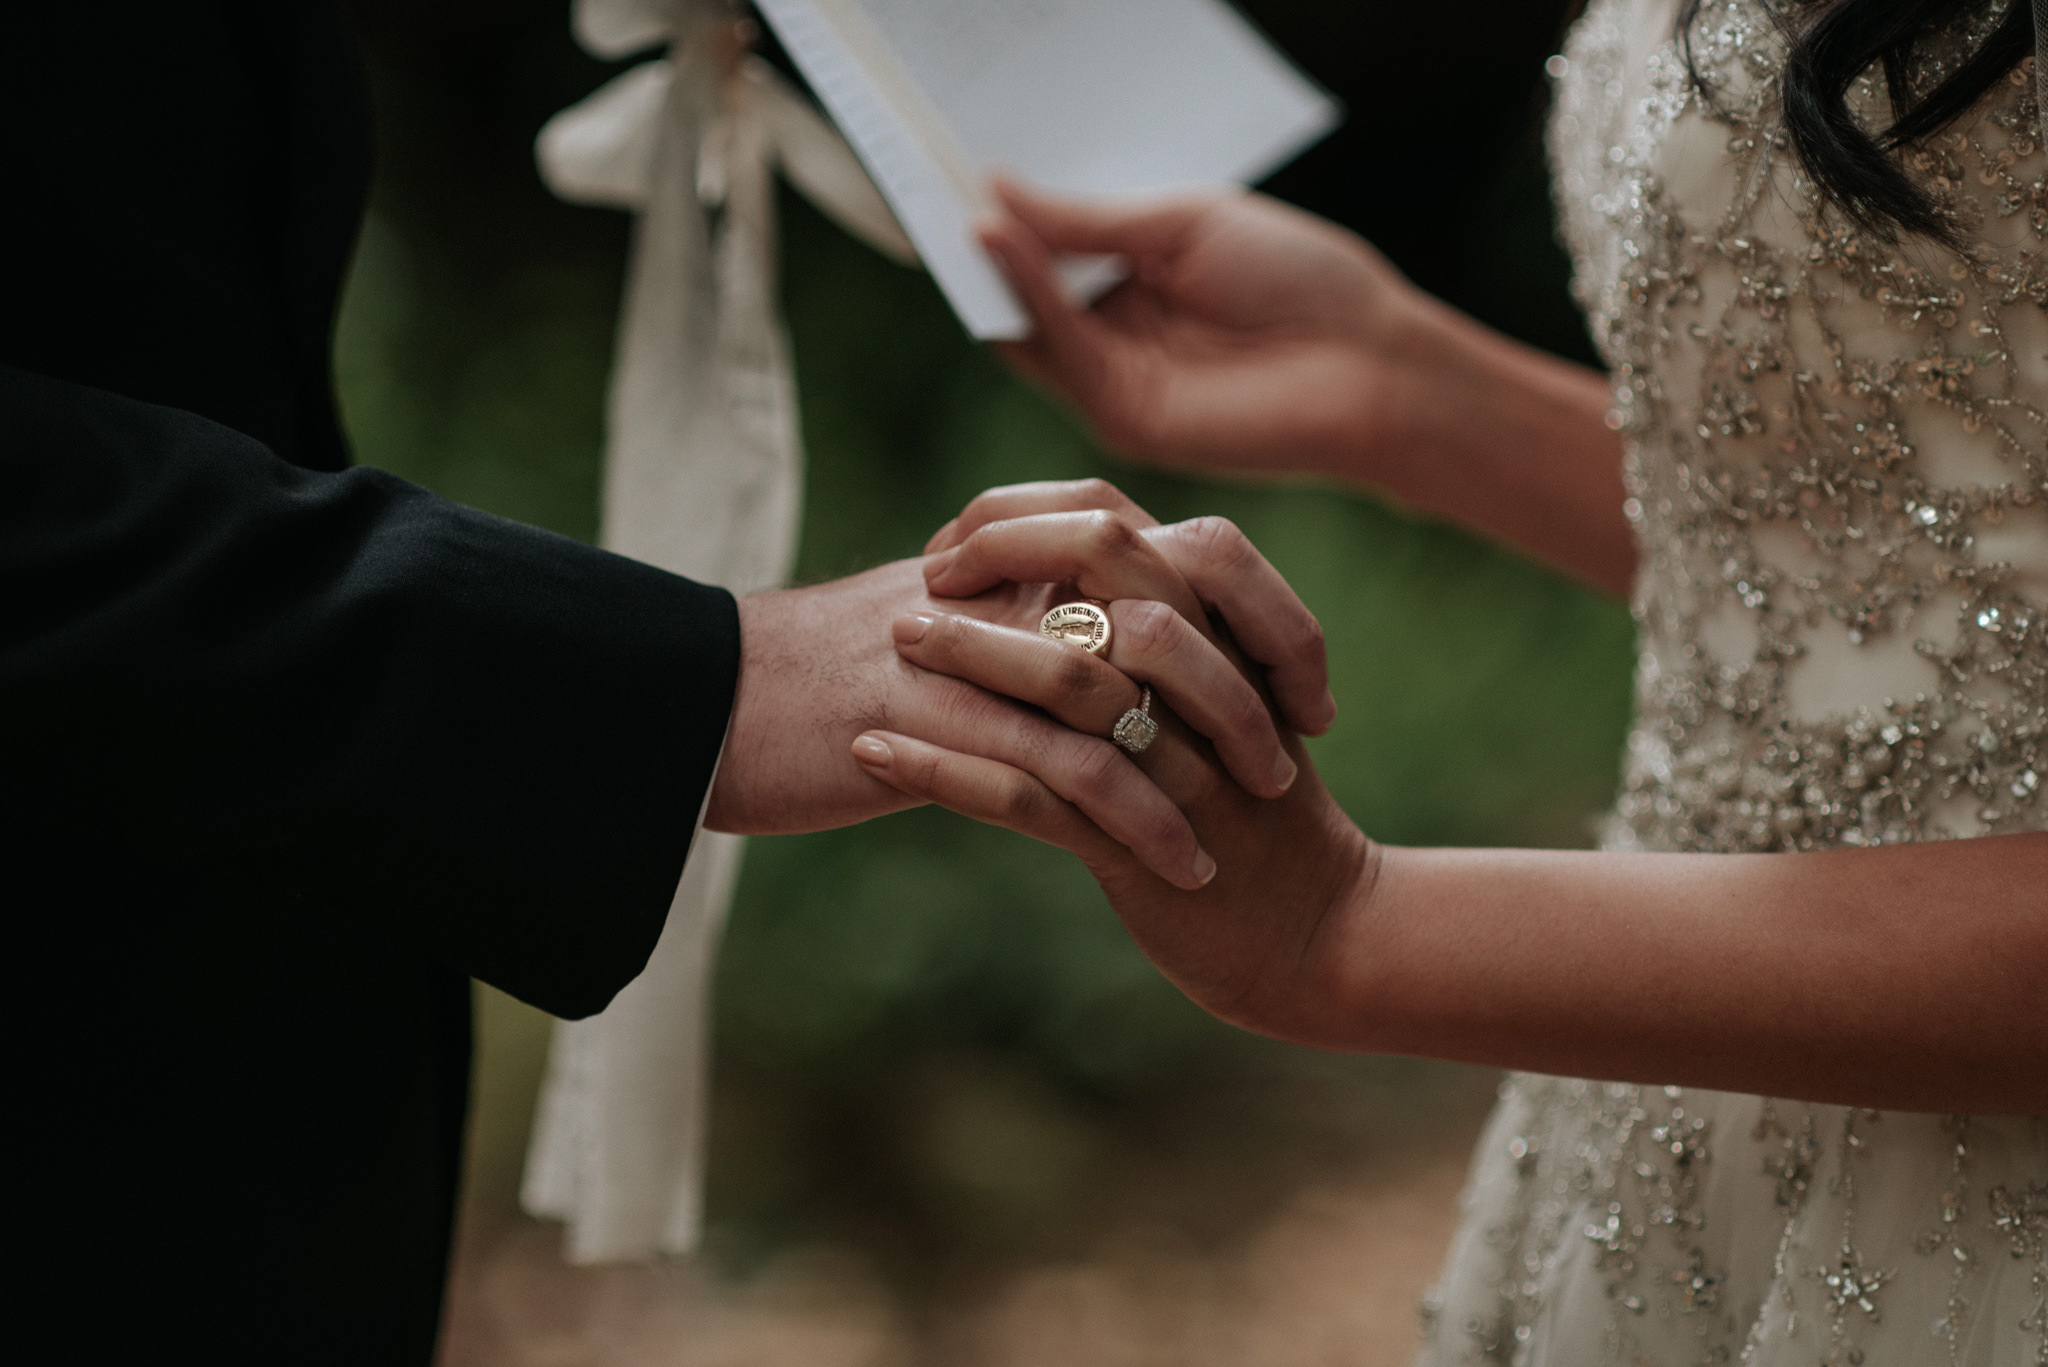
(345, 694)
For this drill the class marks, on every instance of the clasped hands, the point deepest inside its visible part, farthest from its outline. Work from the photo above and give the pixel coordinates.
(1246, 327)
(928, 681)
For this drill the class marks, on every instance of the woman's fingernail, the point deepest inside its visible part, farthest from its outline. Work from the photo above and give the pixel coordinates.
(1205, 868)
(911, 627)
(1285, 772)
(873, 750)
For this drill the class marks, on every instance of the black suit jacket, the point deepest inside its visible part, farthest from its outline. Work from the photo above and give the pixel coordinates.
(288, 752)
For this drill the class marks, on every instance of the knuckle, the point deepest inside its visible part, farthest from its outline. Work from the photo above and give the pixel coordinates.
(1019, 801)
(1245, 714)
(926, 770)
(1202, 785)
(1301, 641)
(1217, 542)
(1151, 628)
(1164, 827)
(1109, 536)
(1034, 743)
(976, 544)
(1098, 493)
(984, 508)
(951, 712)
(1098, 769)
(942, 640)
(1310, 641)
(1075, 674)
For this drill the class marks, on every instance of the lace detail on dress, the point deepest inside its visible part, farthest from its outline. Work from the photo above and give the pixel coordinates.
(1837, 468)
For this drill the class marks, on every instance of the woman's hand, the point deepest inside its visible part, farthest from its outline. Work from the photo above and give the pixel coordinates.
(1249, 946)
(1250, 334)
(1253, 336)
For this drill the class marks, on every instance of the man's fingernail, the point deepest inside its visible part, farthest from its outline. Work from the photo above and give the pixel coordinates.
(1205, 868)
(941, 534)
(1285, 772)
(872, 750)
(938, 564)
(911, 627)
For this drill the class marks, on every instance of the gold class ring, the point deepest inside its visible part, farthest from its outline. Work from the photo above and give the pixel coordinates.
(1085, 624)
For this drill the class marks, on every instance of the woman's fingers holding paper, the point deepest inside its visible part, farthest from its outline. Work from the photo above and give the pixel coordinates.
(1155, 229)
(1068, 351)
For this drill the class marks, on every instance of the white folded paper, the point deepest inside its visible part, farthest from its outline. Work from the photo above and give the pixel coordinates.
(1104, 98)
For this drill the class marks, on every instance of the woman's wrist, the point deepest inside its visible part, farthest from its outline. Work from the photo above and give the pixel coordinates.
(1467, 424)
(1311, 996)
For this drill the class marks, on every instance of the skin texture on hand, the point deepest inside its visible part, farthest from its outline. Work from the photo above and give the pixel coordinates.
(1252, 336)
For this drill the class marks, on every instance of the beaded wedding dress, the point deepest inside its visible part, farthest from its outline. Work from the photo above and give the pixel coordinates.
(1838, 472)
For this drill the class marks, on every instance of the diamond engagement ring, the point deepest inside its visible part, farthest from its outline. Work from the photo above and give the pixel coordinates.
(1135, 730)
(1084, 624)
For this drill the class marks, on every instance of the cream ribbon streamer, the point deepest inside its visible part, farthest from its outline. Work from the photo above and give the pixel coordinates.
(703, 476)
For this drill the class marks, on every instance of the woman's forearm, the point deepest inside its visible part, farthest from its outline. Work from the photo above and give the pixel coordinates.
(1469, 425)
(1911, 977)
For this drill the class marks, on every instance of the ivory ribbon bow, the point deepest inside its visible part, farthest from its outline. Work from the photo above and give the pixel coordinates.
(704, 477)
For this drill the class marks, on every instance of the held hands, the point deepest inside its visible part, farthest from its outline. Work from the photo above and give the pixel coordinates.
(1246, 943)
(1250, 334)
(816, 671)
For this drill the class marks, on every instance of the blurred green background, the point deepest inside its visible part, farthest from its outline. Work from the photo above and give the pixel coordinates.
(933, 1040)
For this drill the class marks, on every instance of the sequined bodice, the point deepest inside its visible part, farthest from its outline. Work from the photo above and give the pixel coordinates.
(1837, 466)
(1838, 451)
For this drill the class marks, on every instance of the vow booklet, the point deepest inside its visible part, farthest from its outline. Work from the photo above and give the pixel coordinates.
(1098, 98)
